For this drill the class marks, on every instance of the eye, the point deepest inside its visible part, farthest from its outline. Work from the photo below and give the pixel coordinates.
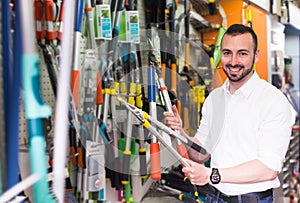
(226, 53)
(243, 54)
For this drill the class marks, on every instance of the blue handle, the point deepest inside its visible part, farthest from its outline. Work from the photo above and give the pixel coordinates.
(35, 110)
(151, 84)
(79, 14)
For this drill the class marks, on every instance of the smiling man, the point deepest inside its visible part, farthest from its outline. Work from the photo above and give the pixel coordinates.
(239, 53)
(246, 126)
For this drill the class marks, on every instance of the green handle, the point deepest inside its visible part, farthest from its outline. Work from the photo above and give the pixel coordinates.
(217, 51)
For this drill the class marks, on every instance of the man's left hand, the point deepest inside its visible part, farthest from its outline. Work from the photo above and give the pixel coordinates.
(197, 173)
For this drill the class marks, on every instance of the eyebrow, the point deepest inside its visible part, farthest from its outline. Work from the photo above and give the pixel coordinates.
(240, 50)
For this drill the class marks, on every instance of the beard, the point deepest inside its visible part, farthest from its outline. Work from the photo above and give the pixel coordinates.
(236, 78)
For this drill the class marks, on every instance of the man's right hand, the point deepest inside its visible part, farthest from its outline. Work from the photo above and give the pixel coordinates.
(173, 120)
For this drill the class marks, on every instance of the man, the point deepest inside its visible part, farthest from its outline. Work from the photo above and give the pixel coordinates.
(246, 126)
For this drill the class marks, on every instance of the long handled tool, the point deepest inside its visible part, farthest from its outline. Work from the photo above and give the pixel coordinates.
(110, 87)
(154, 146)
(115, 166)
(163, 36)
(2, 116)
(130, 66)
(11, 71)
(127, 150)
(90, 16)
(146, 120)
(75, 82)
(164, 128)
(35, 109)
(48, 48)
(172, 9)
(185, 95)
(162, 87)
(95, 171)
(152, 93)
(75, 85)
(91, 168)
(172, 6)
(60, 29)
(143, 118)
(139, 104)
(112, 52)
(151, 19)
(51, 13)
(61, 116)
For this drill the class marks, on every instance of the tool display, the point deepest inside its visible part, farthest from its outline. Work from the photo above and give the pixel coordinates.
(96, 77)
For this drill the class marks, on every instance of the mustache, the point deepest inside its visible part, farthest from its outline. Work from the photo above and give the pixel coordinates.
(235, 66)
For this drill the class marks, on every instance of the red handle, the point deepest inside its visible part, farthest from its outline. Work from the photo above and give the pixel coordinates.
(182, 151)
(155, 161)
(38, 9)
(75, 86)
(99, 99)
(50, 18)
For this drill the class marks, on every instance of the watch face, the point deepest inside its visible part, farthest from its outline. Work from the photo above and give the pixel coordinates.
(215, 177)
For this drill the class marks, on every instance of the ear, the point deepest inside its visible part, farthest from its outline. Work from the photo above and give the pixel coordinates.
(256, 55)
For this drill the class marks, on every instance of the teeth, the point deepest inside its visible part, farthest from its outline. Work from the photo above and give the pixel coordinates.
(234, 69)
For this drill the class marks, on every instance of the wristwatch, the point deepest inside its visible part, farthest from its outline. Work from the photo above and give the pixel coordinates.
(215, 177)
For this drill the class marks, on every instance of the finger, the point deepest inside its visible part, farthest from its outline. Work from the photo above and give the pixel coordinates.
(175, 111)
(190, 162)
(170, 121)
(187, 170)
(168, 114)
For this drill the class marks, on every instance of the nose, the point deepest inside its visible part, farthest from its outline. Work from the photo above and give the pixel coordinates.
(234, 60)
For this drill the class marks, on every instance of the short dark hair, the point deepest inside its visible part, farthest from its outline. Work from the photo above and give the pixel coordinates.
(238, 29)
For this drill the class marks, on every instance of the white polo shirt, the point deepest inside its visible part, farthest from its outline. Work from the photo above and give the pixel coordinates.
(257, 125)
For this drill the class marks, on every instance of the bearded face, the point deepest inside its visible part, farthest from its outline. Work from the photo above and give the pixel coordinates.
(238, 57)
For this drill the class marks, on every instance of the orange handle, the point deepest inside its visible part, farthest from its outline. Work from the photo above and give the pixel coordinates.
(99, 99)
(178, 105)
(38, 9)
(173, 77)
(182, 151)
(51, 162)
(38, 6)
(50, 16)
(187, 53)
(75, 86)
(72, 154)
(155, 161)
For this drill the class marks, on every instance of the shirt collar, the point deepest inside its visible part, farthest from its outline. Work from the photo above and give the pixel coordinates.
(247, 88)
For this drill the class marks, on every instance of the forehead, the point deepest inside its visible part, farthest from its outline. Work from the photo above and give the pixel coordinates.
(237, 42)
